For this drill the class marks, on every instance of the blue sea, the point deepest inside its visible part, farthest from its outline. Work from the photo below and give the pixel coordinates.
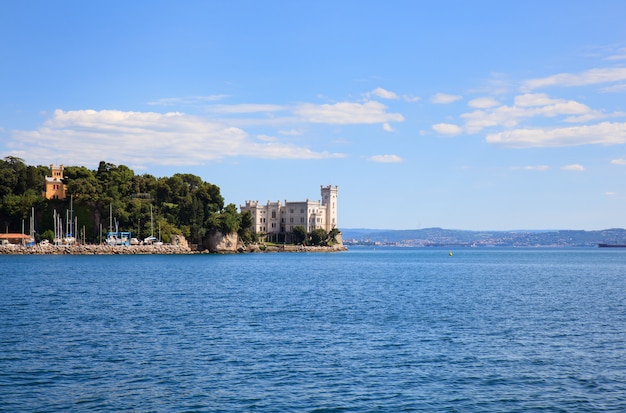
(368, 330)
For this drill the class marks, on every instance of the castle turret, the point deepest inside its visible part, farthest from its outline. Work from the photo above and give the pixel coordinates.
(329, 198)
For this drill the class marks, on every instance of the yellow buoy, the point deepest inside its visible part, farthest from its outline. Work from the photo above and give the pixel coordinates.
(450, 253)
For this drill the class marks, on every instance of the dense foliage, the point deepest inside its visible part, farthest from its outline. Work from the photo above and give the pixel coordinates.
(318, 237)
(143, 204)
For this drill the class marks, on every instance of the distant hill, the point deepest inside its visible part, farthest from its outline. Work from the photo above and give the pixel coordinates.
(450, 237)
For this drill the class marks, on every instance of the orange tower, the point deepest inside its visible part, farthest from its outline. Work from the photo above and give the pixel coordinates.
(55, 188)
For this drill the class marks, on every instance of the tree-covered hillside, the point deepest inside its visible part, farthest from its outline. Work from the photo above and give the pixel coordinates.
(180, 204)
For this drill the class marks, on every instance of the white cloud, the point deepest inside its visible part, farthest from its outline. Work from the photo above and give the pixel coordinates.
(387, 94)
(540, 104)
(267, 138)
(605, 133)
(528, 106)
(443, 98)
(534, 99)
(483, 103)
(345, 113)
(618, 162)
(614, 88)
(447, 129)
(619, 55)
(574, 167)
(610, 193)
(88, 136)
(387, 127)
(290, 132)
(532, 167)
(384, 94)
(409, 98)
(386, 159)
(589, 77)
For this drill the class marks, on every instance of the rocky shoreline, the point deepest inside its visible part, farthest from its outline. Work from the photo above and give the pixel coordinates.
(94, 250)
(166, 249)
(294, 248)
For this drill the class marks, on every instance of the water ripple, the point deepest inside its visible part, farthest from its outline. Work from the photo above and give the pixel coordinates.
(362, 331)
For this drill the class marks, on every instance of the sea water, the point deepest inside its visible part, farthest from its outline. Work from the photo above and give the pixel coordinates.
(368, 330)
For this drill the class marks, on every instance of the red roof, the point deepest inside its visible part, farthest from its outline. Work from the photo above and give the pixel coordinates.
(14, 236)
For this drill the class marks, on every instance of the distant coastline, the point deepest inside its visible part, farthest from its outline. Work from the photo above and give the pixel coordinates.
(433, 237)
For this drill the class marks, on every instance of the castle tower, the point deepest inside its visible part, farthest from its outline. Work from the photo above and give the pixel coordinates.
(329, 199)
(55, 188)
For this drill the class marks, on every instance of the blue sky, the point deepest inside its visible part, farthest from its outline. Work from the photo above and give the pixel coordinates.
(484, 115)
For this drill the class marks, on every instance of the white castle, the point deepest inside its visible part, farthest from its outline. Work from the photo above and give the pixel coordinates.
(276, 218)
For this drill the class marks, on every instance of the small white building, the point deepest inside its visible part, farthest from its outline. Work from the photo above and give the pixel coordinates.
(276, 217)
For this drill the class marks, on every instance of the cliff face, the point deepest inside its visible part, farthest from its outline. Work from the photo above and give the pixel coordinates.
(219, 243)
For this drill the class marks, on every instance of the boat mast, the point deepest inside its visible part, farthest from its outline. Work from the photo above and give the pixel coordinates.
(72, 227)
(151, 223)
(32, 223)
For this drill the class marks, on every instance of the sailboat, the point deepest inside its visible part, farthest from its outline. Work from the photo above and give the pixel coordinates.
(151, 240)
(118, 237)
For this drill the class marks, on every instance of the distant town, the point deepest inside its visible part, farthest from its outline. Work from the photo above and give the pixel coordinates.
(433, 237)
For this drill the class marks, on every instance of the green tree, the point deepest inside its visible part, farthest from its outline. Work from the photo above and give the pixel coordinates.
(83, 184)
(299, 234)
(332, 235)
(16, 208)
(227, 221)
(145, 184)
(19, 169)
(8, 180)
(48, 234)
(166, 229)
(36, 177)
(319, 236)
(185, 203)
(245, 232)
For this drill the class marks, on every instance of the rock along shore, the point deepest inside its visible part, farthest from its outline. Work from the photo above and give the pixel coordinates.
(95, 249)
(149, 249)
(294, 248)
